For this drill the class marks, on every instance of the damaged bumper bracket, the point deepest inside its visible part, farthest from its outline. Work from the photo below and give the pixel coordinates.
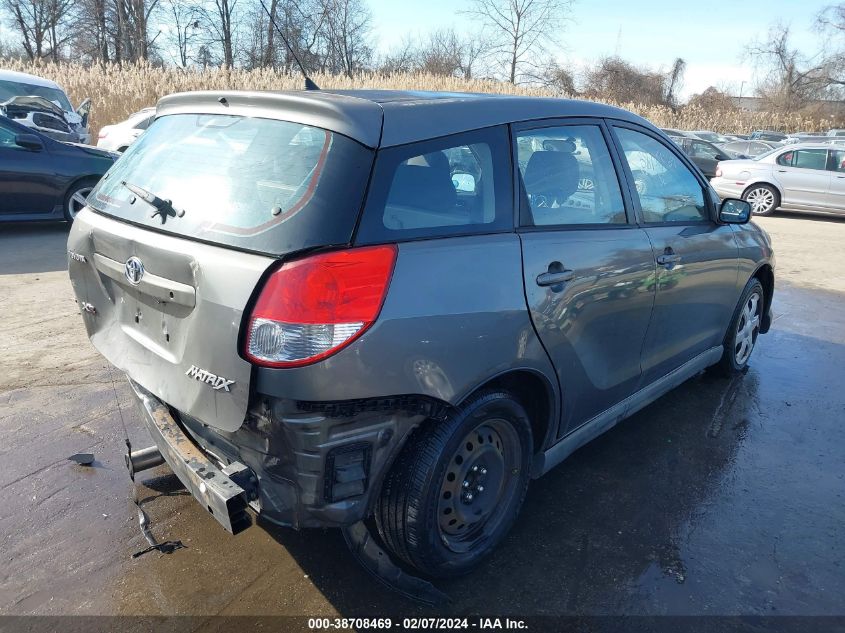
(222, 497)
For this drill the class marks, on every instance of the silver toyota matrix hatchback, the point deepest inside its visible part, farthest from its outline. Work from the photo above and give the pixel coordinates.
(392, 310)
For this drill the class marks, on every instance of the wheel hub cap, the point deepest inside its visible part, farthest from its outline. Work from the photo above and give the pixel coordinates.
(761, 200)
(747, 329)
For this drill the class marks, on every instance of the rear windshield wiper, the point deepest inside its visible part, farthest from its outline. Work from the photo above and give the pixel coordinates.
(163, 207)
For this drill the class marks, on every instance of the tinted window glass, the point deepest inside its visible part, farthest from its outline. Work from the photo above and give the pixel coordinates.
(785, 159)
(142, 122)
(259, 184)
(569, 177)
(837, 160)
(703, 150)
(448, 186)
(668, 191)
(7, 137)
(810, 159)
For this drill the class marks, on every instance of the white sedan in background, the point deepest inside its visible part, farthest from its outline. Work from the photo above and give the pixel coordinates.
(799, 177)
(121, 135)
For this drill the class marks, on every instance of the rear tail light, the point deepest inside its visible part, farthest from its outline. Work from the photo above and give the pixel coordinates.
(103, 134)
(313, 307)
(718, 171)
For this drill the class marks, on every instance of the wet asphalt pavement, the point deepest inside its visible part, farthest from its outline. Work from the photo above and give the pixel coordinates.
(722, 498)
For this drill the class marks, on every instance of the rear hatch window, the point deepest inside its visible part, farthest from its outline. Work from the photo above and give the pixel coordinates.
(255, 184)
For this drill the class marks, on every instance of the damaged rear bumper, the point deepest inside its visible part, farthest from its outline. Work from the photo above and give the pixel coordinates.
(211, 486)
(293, 463)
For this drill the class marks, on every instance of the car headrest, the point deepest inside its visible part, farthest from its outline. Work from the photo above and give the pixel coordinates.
(552, 174)
(423, 187)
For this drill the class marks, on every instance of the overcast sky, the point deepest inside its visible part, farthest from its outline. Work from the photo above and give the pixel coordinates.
(709, 34)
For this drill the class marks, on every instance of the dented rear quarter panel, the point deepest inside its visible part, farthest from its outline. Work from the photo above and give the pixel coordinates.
(454, 317)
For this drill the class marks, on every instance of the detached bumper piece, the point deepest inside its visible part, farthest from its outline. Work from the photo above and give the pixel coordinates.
(222, 497)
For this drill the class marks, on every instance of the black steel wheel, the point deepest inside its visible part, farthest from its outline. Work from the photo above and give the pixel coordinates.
(457, 486)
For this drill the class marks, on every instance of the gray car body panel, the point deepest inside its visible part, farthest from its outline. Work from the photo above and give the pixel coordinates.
(413, 347)
(460, 312)
(154, 337)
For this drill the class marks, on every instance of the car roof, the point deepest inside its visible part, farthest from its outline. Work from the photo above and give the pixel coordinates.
(794, 146)
(385, 118)
(13, 75)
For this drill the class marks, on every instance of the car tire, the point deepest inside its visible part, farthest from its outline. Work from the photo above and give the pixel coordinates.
(457, 486)
(743, 331)
(75, 198)
(764, 199)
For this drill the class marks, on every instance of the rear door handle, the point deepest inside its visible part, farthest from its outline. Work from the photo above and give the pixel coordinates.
(668, 258)
(553, 279)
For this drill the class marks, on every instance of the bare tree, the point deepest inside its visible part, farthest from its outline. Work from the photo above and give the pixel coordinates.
(522, 30)
(185, 28)
(402, 59)
(712, 99)
(442, 52)
(43, 25)
(345, 37)
(614, 79)
(674, 82)
(791, 79)
(220, 21)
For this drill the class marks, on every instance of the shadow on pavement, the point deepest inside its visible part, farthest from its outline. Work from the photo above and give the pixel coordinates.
(33, 247)
(690, 506)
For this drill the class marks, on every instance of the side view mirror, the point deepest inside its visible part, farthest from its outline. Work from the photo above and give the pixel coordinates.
(733, 211)
(29, 141)
(463, 182)
(722, 157)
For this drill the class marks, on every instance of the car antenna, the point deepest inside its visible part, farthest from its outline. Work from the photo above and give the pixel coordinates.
(309, 84)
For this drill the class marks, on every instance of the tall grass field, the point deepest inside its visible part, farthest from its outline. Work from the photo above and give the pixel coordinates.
(119, 90)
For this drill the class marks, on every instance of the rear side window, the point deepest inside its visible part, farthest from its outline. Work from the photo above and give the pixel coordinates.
(810, 159)
(257, 184)
(453, 185)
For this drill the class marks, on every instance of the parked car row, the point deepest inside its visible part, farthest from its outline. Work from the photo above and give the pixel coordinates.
(794, 177)
(42, 178)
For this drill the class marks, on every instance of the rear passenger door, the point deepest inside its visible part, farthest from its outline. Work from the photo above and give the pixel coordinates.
(804, 177)
(696, 258)
(589, 270)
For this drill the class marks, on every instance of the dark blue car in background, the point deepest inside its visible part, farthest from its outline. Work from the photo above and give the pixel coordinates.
(45, 179)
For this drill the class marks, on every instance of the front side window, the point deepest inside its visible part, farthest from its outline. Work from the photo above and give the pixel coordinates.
(448, 186)
(703, 150)
(7, 138)
(569, 177)
(667, 190)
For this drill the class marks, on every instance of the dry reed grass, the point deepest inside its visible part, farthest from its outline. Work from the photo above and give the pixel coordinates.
(118, 91)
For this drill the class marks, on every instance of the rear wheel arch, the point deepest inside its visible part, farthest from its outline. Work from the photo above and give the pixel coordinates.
(768, 183)
(535, 392)
(91, 179)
